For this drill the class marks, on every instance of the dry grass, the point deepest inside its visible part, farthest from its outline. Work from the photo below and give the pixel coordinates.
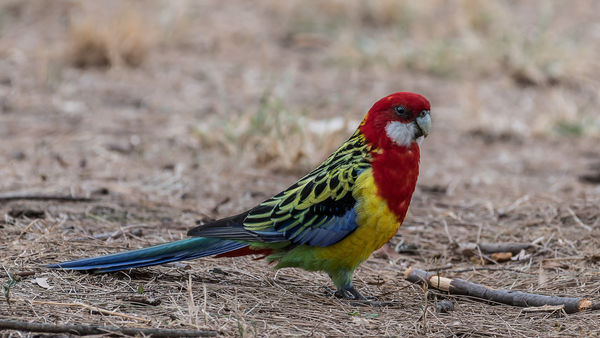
(229, 102)
(110, 34)
(272, 137)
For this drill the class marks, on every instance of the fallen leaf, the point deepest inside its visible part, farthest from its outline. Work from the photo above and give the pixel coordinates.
(43, 282)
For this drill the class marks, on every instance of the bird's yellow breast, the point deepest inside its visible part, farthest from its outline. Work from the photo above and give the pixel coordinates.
(376, 225)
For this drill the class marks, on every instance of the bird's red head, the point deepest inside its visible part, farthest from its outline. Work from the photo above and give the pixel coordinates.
(399, 119)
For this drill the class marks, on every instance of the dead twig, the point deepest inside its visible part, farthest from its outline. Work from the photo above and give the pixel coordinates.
(544, 308)
(91, 308)
(27, 228)
(22, 273)
(91, 329)
(578, 221)
(476, 268)
(458, 286)
(471, 249)
(491, 248)
(35, 197)
(126, 230)
(142, 299)
(486, 268)
(492, 252)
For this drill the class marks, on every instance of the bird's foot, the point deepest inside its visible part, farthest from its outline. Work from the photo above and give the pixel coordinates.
(357, 299)
(350, 293)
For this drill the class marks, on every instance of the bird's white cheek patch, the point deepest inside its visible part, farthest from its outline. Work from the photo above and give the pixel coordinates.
(402, 134)
(419, 140)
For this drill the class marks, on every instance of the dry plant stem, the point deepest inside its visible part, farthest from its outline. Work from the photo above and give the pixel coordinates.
(485, 268)
(130, 229)
(458, 286)
(578, 221)
(489, 248)
(478, 268)
(23, 273)
(90, 329)
(91, 308)
(60, 198)
(27, 228)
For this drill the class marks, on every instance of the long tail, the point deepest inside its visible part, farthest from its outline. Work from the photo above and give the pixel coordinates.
(169, 252)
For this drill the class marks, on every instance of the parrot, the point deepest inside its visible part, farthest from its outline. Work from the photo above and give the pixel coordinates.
(330, 220)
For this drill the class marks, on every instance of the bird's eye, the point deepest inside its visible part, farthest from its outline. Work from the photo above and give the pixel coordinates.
(401, 111)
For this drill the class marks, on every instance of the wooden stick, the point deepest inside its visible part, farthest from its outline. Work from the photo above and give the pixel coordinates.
(458, 286)
(90, 329)
(34, 197)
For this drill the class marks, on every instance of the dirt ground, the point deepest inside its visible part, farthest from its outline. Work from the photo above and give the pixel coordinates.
(167, 114)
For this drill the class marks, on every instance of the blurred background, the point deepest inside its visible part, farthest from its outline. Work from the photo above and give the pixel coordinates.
(194, 103)
(170, 113)
(188, 100)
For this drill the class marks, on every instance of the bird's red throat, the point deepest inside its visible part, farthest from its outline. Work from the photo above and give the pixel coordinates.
(395, 171)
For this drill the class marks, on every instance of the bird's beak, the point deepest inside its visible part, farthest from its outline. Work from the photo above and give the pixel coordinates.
(424, 123)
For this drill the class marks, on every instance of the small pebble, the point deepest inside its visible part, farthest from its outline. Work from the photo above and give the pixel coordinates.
(444, 306)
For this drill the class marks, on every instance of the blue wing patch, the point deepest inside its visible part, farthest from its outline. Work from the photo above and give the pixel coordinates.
(333, 230)
(329, 233)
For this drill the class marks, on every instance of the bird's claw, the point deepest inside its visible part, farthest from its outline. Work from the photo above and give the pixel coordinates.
(357, 299)
(348, 294)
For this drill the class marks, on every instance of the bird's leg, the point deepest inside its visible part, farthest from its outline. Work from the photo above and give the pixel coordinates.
(349, 293)
(342, 278)
(357, 299)
(345, 290)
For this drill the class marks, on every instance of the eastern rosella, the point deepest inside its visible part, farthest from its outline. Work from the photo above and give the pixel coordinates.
(331, 220)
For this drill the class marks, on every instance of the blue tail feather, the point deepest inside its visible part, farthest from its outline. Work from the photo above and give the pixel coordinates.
(169, 252)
